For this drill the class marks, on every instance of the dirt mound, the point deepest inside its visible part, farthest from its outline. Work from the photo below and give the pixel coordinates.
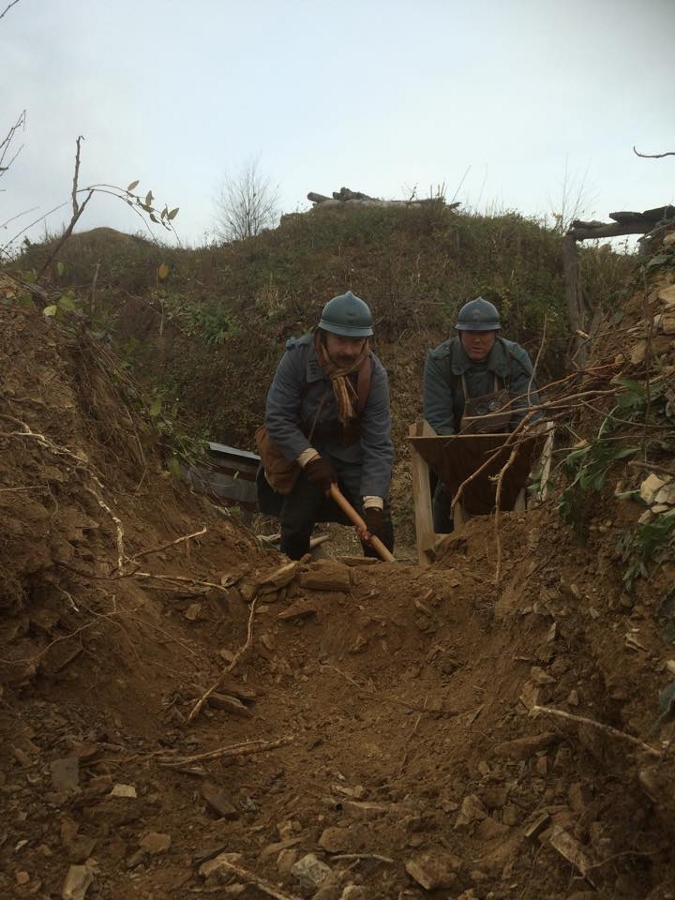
(185, 712)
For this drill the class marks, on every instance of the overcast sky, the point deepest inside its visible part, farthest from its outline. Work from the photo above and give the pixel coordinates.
(508, 104)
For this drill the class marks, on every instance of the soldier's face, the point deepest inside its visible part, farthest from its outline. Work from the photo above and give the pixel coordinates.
(343, 351)
(477, 344)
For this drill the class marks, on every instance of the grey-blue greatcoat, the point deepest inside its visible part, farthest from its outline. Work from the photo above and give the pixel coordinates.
(292, 402)
(443, 395)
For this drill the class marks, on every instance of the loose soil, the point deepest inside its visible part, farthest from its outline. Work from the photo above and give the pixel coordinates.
(486, 727)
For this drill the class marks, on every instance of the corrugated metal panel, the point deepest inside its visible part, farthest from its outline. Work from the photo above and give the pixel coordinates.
(225, 450)
(228, 476)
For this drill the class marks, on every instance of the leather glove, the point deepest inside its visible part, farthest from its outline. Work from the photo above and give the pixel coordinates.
(321, 473)
(374, 519)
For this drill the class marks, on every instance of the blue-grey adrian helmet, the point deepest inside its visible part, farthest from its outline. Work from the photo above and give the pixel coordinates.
(478, 315)
(347, 315)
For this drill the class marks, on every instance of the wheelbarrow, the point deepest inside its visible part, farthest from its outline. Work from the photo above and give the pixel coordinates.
(474, 467)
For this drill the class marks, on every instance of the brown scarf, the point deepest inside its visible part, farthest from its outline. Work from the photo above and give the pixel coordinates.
(345, 393)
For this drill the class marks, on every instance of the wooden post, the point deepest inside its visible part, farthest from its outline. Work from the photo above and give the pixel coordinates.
(424, 524)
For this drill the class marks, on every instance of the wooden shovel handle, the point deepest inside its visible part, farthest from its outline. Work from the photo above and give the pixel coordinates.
(349, 510)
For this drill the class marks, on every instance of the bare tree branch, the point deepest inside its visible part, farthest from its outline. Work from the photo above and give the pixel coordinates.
(76, 175)
(6, 142)
(7, 8)
(78, 209)
(653, 155)
(247, 204)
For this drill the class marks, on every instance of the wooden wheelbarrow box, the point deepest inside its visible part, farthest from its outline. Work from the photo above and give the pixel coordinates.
(471, 466)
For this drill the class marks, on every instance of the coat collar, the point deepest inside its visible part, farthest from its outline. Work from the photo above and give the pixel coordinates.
(497, 359)
(314, 370)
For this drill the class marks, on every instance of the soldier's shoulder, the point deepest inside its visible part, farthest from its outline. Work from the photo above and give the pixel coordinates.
(295, 343)
(442, 351)
(517, 353)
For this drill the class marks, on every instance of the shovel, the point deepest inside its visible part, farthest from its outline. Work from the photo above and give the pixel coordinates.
(351, 513)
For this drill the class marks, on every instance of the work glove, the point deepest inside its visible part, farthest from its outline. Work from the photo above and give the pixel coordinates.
(373, 516)
(321, 473)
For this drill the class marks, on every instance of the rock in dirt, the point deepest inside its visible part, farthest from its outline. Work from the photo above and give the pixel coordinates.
(472, 811)
(154, 843)
(65, 773)
(354, 892)
(493, 863)
(77, 882)
(246, 692)
(276, 580)
(326, 575)
(123, 790)
(363, 809)
(525, 747)
(334, 840)
(218, 801)
(79, 847)
(570, 849)
(435, 869)
(229, 704)
(278, 847)
(332, 887)
(301, 609)
(310, 872)
(286, 860)
(220, 867)
(650, 488)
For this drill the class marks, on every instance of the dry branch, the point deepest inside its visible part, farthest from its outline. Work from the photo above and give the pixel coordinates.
(653, 155)
(251, 878)
(245, 749)
(7, 8)
(185, 537)
(249, 638)
(6, 143)
(608, 729)
(582, 231)
(651, 467)
(78, 209)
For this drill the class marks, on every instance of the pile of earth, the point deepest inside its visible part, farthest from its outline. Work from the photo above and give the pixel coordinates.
(185, 712)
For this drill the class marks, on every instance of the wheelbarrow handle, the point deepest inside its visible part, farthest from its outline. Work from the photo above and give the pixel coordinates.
(349, 511)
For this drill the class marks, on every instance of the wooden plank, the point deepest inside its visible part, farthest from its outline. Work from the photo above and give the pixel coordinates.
(421, 482)
(545, 461)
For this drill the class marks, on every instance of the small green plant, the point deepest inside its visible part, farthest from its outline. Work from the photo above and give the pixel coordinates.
(180, 449)
(666, 614)
(586, 467)
(646, 545)
(633, 427)
(639, 425)
(212, 323)
(66, 303)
